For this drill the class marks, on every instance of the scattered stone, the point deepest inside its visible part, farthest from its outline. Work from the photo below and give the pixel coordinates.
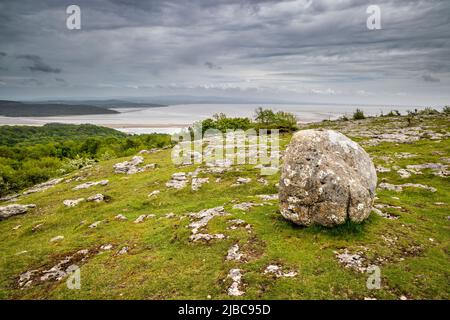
(154, 193)
(439, 203)
(263, 181)
(17, 227)
(57, 238)
(236, 277)
(21, 252)
(326, 179)
(140, 219)
(351, 260)
(14, 209)
(170, 215)
(404, 174)
(438, 169)
(241, 181)
(96, 198)
(381, 169)
(73, 203)
(129, 167)
(206, 237)
(91, 184)
(178, 181)
(278, 271)
(405, 155)
(268, 197)
(43, 186)
(55, 273)
(37, 227)
(202, 219)
(106, 247)
(385, 214)
(124, 250)
(399, 188)
(121, 217)
(245, 206)
(12, 197)
(95, 224)
(198, 182)
(234, 253)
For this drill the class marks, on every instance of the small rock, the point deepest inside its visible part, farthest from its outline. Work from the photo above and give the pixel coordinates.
(37, 227)
(236, 277)
(106, 247)
(234, 253)
(94, 225)
(120, 217)
(140, 219)
(91, 184)
(96, 198)
(154, 193)
(72, 203)
(124, 250)
(57, 238)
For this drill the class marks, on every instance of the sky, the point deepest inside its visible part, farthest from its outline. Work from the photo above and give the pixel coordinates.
(293, 51)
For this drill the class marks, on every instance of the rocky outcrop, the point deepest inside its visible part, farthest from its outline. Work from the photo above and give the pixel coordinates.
(43, 186)
(326, 179)
(73, 203)
(91, 184)
(133, 166)
(179, 181)
(14, 209)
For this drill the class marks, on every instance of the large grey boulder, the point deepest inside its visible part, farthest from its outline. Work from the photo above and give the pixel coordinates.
(326, 179)
(14, 209)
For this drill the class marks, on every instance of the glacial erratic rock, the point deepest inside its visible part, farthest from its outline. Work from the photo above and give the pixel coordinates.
(326, 179)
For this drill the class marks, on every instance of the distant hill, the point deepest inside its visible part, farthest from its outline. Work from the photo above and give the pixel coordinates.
(21, 109)
(111, 103)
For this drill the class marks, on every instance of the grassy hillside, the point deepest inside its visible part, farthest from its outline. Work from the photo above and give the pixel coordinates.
(410, 242)
(19, 109)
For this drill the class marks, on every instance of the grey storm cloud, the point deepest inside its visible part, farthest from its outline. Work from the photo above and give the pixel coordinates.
(38, 64)
(428, 78)
(296, 49)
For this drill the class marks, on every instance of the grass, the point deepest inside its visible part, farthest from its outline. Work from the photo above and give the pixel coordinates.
(163, 264)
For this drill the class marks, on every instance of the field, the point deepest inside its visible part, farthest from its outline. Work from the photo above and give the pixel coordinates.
(407, 236)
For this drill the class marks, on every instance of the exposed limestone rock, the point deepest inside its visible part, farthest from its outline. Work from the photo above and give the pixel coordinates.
(326, 179)
(384, 214)
(198, 182)
(178, 181)
(141, 218)
(241, 181)
(14, 209)
(234, 253)
(37, 227)
(202, 219)
(96, 198)
(170, 215)
(43, 186)
(438, 169)
(404, 173)
(11, 198)
(55, 273)
(73, 203)
(399, 188)
(17, 227)
(57, 238)
(277, 271)
(381, 169)
(263, 181)
(129, 167)
(245, 206)
(95, 224)
(106, 247)
(236, 277)
(124, 250)
(121, 217)
(154, 193)
(268, 197)
(349, 260)
(91, 184)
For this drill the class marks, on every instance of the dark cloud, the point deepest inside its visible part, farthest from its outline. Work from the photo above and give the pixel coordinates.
(212, 66)
(38, 65)
(428, 78)
(298, 49)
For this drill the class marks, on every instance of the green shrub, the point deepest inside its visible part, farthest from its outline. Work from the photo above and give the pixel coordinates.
(358, 115)
(446, 110)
